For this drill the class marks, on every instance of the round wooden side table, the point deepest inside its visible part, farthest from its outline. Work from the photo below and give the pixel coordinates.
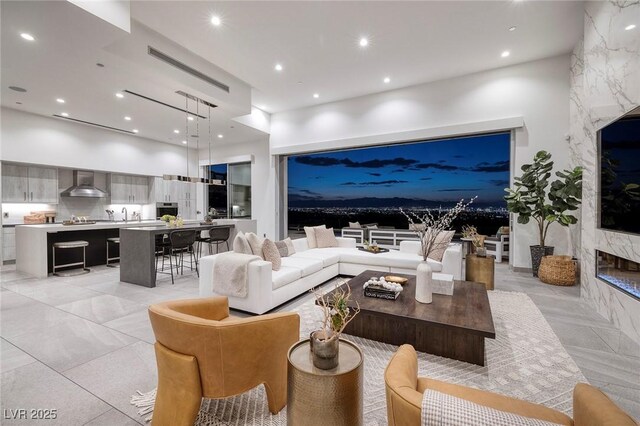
(480, 269)
(325, 397)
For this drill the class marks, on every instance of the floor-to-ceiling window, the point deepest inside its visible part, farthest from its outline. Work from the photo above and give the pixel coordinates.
(369, 185)
(230, 195)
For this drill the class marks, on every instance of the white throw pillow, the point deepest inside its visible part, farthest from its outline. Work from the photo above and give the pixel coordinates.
(241, 245)
(355, 225)
(290, 247)
(271, 254)
(441, 409)
(311, 235)
(326, 238)
(439, 245)
(256, 243)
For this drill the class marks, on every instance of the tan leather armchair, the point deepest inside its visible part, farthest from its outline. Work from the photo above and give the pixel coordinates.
(201, 351)
(404, 391)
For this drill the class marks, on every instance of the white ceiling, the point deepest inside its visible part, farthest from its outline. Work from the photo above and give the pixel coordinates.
(316, 42)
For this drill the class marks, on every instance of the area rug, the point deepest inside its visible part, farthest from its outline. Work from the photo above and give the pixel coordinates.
(525, 361)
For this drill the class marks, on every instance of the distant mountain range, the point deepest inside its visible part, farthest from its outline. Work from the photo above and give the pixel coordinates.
(305, 201)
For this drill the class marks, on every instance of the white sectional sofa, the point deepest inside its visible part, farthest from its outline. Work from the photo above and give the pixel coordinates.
(308, 268)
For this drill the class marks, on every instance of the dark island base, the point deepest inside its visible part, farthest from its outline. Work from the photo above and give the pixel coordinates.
(96, 252)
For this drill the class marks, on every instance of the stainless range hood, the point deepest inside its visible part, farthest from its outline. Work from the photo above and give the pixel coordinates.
(83, 186)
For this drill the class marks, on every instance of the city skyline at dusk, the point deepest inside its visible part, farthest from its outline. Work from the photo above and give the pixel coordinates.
(442, 171)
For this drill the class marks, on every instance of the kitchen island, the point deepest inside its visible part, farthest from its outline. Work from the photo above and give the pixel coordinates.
(138, 250)
(34, 242)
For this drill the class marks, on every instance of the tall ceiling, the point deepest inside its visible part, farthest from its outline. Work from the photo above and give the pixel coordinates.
(317, 44)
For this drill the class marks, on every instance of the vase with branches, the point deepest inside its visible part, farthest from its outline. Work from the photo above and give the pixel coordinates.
(535, 197)
(429, 227)
(336, 314)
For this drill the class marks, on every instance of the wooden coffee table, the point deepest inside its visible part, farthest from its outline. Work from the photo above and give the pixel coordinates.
(451, 326)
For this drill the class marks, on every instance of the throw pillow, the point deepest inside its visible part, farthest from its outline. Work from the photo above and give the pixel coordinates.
(355, 225)
(311, 235)
(417, 226)
(282, 248)
(441, 409)
(326, 238)
(241, 245)
(290, 247)
(256, 243)
(372, 226)
(440, 245)
(270, 254)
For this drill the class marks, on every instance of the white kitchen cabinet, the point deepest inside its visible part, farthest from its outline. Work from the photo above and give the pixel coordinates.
(25, 184)
(187, 209)
(43, 185)
(8, 243)
(127, 189)
(15, 183)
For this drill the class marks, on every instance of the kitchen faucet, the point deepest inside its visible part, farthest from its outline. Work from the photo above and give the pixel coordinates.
(124, 210)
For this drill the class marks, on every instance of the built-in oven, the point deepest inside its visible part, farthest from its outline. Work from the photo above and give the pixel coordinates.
(166, 208)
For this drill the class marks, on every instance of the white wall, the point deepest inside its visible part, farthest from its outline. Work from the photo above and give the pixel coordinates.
(537, 91)
(263, 180)
(34, 139)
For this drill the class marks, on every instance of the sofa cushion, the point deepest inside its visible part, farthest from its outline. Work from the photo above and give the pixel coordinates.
(327, 256)
(241, 245)
(285, 276)
(310, 231)
(306, 265)
(271, 254)
(440, 245)
(391, 259)
(256, 243)
(326, 238)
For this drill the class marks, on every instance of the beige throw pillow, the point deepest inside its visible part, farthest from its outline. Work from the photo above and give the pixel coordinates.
(355, 225)
(241, 245)
(290, 247)
(440, 245)
(326, 238)
(256, 243)
(311, 235)
(270, 254)
(282, 248)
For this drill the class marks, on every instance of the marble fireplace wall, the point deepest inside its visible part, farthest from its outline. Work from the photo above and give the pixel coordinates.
(605, 84)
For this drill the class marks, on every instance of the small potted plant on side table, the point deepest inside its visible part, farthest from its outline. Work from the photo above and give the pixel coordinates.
(336, 314)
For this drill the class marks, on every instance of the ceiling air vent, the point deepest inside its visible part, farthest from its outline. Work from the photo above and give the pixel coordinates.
(94, 124)
(186, 68)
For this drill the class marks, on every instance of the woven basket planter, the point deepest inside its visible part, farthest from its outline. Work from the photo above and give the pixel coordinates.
(557, 270)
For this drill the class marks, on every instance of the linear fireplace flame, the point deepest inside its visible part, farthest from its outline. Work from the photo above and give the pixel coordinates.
(618, 272)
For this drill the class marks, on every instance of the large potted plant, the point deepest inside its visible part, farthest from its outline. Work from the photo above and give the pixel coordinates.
(535, 197)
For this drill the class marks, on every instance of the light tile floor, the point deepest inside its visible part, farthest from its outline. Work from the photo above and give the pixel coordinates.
(82, 345)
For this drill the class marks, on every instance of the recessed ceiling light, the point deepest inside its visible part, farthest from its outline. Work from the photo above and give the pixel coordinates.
(220, 136)
(315, 95)
(512, 28)
(27, 36)
(505, 54)
(190, 118)
(278, 67)
(60, 100)
(630, 27)
(119, 95)
(64, 114)
(135, 130)
(215, 20)
(363, 42)
(386, 80)
(126, 117)
(176, 131)
(184, 142)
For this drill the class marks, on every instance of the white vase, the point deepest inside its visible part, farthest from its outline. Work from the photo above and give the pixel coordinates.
(424, 288)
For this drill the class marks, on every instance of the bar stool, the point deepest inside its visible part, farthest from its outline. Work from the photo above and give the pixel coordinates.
(181, 242)
(116, 241)
(64, 245)
(218, 236)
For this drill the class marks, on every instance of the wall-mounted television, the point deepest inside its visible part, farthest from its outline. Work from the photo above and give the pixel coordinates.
(620, 174)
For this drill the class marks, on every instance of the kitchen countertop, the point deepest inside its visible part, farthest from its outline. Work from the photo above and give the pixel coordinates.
(59, 227)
